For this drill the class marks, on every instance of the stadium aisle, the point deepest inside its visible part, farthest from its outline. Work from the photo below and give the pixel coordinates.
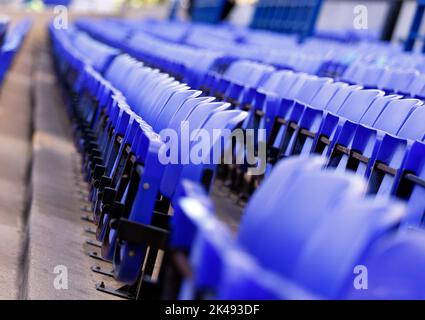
(39, 183)
(55, 200)
(15, 155)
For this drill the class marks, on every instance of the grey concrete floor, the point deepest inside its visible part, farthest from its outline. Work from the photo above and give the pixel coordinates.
(40, 206)
(15, 158)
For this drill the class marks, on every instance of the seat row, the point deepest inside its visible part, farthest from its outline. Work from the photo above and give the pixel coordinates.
(362, 130)
(275, 48)
(372, 65)
(304, 234)
(119, 107)
(374, 134)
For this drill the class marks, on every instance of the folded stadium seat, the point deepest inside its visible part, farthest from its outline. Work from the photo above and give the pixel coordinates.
(352, 109)
(397, 80)
(340, 241)
(97, 54)
(294, 60)
(243, 279)
(103, 98)
(171, 113)
(411, 185)
(171, 31)
(417, 87)
(392, 151)
(366, 75)
(246, 73)
(116, 36)
(310, 123)
(367, 139)
(302, 93)
(309, 93)
(261, 234)
(187, 220)
(112, 125)
(319, 102)
(263, 104)
(395, 269)
(340, 151)
(223, 272)
(278, 82)
(111, 129)
(195, 118)
(286, 93)
(181, 61)
(129, 255)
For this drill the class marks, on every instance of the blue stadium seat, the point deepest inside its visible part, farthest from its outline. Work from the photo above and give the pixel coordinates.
(214, 254)
(394, 268)
(129, 82)
(340, 242)
(410, 186)
(397, 80)
(366, 141)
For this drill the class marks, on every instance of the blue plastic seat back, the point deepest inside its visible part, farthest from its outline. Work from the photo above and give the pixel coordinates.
(369, 76)
(296, 87)
(162, 99)
(260, 206)
(98, 54)
(397, 80)
(277, 78)
(377, 107)
(414, 127)
(141, 79)
(325, 94)
(261, 73)
(340, 241)
(119, 69)
(395, 269)
(249, 73)
(135, 80)
(292, 216)
(243, 279)
(218, 121)
(172, 106)
(417, 88)
(340, 97)
(196, 119)
(395, 114)
(200, 114)
(310, 89)
(357, 103)
(190, 198)
(411, 190)
(155, 88)
(186, 109)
